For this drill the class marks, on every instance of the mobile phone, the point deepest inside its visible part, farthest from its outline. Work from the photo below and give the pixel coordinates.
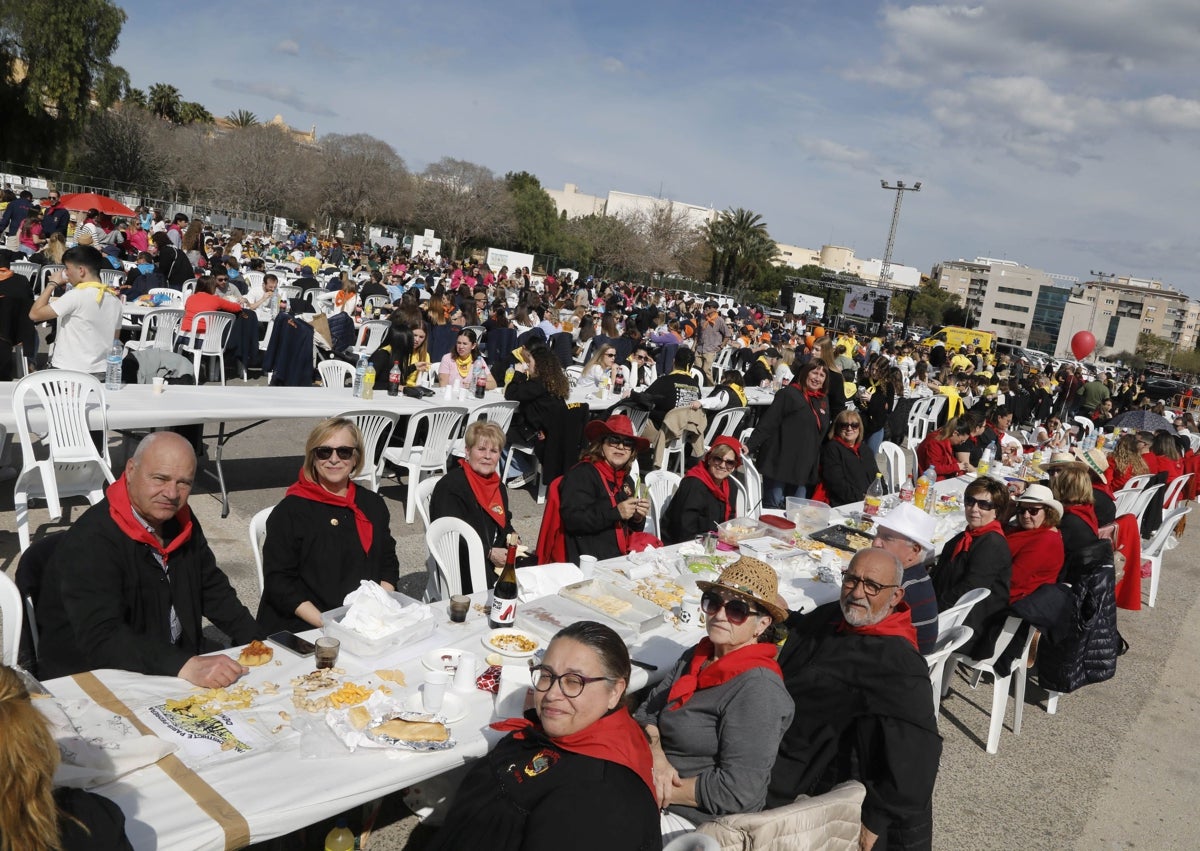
(293, 642)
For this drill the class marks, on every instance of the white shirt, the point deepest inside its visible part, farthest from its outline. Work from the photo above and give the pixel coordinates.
(86, 330)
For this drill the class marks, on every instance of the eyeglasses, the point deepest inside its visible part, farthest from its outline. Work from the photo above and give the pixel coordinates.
(727, 463)
(870, 586)
(324, 453)
(1030, 509)
(848, 426)
(981, 504)
(736, 609)
(571, 685)
(623, 442)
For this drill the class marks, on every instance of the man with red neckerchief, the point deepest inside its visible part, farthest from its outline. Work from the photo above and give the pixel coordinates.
(864, 707)
(130, 581)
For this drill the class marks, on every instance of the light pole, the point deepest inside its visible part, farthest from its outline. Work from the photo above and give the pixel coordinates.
(885, 268)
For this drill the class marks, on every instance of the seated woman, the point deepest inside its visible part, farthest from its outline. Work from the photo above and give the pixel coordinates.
(1072, 486)
(847, 464)
(1035, 542)
(587, 781)
(1125, 462)
(938, 449)
(326, 535)
(715, 721)
(1052, 436)
(598, 508)
(540, 388)
(465, 366)
(1167, 457)
(203, 300)
(978, 557)
(704, 497)
(601, 365)
(472, 491)
(36, 815)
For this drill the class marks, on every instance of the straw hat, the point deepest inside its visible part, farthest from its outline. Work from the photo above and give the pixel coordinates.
(1058, 459)
(1041, 495)
(752, 580)
(1096, 463)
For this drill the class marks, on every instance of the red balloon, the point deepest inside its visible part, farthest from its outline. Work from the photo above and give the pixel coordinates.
(1083, 344)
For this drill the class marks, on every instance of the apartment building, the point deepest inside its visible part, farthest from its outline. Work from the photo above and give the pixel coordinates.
(1019, 304)
(1158, 308)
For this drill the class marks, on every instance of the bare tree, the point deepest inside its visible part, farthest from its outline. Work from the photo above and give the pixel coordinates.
(118, 148)
(257, 168)
(363, 181)
(464, 203)
(669, 234)
(606, 240)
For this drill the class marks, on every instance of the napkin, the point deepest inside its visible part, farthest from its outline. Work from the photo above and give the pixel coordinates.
(545, 579)
(515, 684)
(375, 613)
(96, 746)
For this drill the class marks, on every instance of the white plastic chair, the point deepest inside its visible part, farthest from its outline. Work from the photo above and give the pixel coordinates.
(371, 335)
(1016, 678)
(376, 428)
(947, 642)
(442, 424)
(26, 268)
(1152, 552)
(73, 467)
(159, 329)
(442, 539)
(112, 277)
(893, 466)
(44, 274)
(175, 296)
(1174, 491)
(637, 416)
(674, 454)
(211, 342)
(662, 485)
(188, 287)
(699, 375)
(1086, 426)
(1142, 502)
(725, 422)
(425, 498)
(500, 413)
(12, 611)
(723, 361)
(373, 301)
(1138, 482)
(748, 481)
(335, 374)
(956, 614)
(258, 536)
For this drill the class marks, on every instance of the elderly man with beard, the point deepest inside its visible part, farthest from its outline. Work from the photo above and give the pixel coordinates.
(864, 706)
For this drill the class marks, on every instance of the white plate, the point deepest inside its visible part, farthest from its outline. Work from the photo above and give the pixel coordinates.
(512, 654)
(454, 708)
(435, 660)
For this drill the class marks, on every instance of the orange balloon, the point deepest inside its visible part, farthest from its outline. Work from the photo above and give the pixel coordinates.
(818, 332)
(809, 339)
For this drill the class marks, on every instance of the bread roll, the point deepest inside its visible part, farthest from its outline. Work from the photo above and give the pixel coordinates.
(412, 731)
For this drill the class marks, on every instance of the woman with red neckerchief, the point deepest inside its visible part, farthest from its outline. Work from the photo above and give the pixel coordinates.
(787, 441)
(704, 497)
(326, 535)
(715, 721)
(847, 464)
(978, 557)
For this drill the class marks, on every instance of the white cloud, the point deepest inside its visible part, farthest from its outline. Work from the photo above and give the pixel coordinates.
(276, 92)
(827, 150)
(288, 46)
(612, 65)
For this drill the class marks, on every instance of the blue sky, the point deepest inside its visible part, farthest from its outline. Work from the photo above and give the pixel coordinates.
(1058, 133)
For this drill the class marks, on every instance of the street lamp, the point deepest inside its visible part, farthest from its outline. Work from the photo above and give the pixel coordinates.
(885, 268)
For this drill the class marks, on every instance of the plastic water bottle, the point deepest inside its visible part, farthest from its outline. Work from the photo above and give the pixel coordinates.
(394, 378)
(341, 838)
(368, 388)
(985, 462)
(874, 498)
(360, 373)
(907, 490)
(923, 488)
(112, 371)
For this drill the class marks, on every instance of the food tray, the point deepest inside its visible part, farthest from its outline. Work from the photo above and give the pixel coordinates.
(839, 536)
(546, 616)
(360, 645)
(641, 614)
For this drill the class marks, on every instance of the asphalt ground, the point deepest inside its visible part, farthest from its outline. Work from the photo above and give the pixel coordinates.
(1115, 768)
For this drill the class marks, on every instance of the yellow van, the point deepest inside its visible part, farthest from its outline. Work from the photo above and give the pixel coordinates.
(954, 337)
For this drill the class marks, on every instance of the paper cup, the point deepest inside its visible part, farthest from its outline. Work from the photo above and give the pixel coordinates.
(464, 675)
(587, 566)
(433, 692)
(160, 384)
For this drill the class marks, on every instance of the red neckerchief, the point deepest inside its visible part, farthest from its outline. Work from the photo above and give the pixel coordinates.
(613, 480)
(1086, 513)
(305, 488)
(720, 491)
(1103, 487)
(999, 434)
(898, 623)
(969, 536)
(616, 737)
(849, 446)
(720, 671)
(120, 509)
(487, 492)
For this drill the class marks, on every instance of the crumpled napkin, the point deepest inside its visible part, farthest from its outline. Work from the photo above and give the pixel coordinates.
(374, 613)
(545, 579)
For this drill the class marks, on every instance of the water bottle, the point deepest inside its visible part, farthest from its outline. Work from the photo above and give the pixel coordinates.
(112, 371)
(360, 373)
(907, 490)
(874, 498)
(985, 462)
(368, 388)
(340, 838)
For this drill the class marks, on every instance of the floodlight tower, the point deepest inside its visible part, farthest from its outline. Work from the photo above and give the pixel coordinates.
(885, 269)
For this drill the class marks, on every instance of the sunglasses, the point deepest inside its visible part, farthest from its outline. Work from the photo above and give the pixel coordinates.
(727, 463)
(324, 453)
(982, 504)
(624, 442)
(736, 609)
(848, 426)
(1030, 509)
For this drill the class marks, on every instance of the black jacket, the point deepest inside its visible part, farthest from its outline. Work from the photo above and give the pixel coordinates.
(105, 602)
(668, 392)
(312, 552)
(787, 441)
(693, 511)
(987, 564)
(845, 473)
(1088, 652)
(453, 497)
(589, 515)
(537, 412)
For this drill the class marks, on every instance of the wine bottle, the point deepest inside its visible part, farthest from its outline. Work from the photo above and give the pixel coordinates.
(504, 595)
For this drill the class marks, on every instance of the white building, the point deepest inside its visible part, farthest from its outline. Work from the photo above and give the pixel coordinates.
(575, 203)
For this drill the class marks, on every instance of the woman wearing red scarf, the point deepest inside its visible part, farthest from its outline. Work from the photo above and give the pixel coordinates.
(472, 491)
(847, 465)
(704, 498)
(716, 721)
(787, 441)
(574, 772)
(1035, 542)
(978, 557)
(1072, 486)
(597, 504)
(939, 448)
(326, 535)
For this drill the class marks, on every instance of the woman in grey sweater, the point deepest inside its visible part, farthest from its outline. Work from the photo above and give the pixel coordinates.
(715, 722)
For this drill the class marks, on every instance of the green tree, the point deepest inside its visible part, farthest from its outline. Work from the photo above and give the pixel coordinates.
(135, 97)
(538, 228)
(191, 112)
(164, 101)
(242, 118)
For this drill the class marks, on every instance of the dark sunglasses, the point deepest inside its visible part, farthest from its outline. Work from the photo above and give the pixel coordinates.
(848, 426)
(626, 442)
(1030, 509)
(727, 463)
(324, 453)
(736, 609)
(982, 504)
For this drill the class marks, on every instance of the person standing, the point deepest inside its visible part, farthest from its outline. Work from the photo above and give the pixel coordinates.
(711, 336)
(89, 314)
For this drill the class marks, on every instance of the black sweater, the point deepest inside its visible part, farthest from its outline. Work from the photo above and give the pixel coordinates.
(987, 564)
(453, 497)
(693, 511)
(845, 473)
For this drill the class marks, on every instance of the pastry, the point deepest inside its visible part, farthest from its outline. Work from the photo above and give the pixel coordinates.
(255, 653)
(359, 717)
(412, 731)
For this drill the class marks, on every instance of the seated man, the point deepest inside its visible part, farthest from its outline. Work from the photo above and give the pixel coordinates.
(864, 707)
(907, 532)
(132, 578)
(670, 400)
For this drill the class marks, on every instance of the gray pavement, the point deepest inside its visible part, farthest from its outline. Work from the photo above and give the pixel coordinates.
(1116, 768)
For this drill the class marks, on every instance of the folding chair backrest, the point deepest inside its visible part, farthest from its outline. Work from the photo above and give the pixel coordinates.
(65, 398)
(956, 614)
(443, 425)
(376, 429)
(161, 326)
(443, 538)
(174, 295)
(425, 497)
(218, 325)
(258, 537)
(334, 373)
(371, 335)
(894, 471)
(726, 422)
(500, 413)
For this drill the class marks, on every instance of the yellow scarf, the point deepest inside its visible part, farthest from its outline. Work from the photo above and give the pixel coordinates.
(464, 366)
(100, 288)
(737, 390)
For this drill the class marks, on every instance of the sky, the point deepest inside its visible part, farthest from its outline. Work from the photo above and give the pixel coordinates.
(1060, 134)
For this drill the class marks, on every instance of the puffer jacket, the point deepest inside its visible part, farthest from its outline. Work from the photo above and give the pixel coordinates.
(829, 821)
(1088, 653)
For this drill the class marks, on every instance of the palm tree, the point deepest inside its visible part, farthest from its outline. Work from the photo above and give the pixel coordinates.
(135, 97)
(191, 112)
(164, 101)
(740, 244)
(242, 118)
